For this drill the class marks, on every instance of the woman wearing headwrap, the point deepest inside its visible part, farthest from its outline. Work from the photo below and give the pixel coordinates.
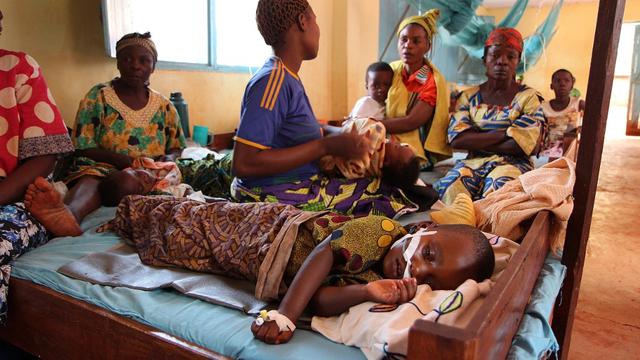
(500, 123)
(116, 122)
(279, 140)
(418, 95)
(32, 136)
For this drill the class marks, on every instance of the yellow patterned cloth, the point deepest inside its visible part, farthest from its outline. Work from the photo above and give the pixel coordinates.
(358, 245)
(427, 20)
(461, 211)
(399, 103)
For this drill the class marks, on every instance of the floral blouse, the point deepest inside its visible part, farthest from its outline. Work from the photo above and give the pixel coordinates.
(104, 121)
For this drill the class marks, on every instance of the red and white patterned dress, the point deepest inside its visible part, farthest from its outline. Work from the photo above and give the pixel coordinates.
(30, 123)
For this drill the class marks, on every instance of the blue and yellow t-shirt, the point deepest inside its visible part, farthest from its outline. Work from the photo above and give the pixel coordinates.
(276, 113)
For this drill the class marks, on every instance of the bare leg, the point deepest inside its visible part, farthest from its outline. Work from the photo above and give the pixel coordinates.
(83, 197)
(46, 205)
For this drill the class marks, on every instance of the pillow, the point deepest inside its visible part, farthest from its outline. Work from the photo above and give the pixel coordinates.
(461, 211)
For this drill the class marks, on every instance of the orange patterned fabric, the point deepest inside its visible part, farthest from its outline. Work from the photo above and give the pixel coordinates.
(238, 240)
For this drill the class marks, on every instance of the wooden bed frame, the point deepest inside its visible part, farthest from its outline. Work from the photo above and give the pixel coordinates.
(53, 325)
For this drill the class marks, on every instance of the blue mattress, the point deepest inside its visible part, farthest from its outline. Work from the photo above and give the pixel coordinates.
(223, 330)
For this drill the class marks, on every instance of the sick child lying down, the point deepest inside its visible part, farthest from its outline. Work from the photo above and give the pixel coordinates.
(322, 261)
(149, 177)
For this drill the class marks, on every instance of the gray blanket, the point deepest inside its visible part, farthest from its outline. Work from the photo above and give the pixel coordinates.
(121, 266)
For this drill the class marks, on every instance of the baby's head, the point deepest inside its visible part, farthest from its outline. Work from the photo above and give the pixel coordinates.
(401, 166)
(125, 182)
(378, 81)
(562, 82)
(442, 256)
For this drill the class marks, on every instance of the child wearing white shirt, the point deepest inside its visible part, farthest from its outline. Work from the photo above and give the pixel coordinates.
(377, 81)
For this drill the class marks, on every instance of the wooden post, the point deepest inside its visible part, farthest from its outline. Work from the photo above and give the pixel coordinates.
(603, 59)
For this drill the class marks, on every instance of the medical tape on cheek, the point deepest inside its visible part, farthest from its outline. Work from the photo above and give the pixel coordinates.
(411, 249)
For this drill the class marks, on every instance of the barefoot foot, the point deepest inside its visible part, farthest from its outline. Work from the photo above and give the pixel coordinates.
(46, 205)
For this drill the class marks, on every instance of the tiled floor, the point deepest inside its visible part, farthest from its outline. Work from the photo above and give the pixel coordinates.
(607, 321)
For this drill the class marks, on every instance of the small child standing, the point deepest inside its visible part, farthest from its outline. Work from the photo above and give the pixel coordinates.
(377, 81)
(563, 113)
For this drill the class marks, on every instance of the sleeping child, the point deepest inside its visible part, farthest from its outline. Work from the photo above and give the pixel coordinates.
(394, 162)
(325, 262)
(378, 80)
(143, 177)
(147, 176)
(563, 114)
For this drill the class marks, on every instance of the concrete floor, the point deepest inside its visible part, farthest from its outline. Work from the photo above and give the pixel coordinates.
(607, 321)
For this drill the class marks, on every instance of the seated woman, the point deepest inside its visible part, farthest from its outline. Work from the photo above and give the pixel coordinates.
(329, 262)
(418, 100)
(500, 123)
(32, 135)
(279, 139)
(116, 122)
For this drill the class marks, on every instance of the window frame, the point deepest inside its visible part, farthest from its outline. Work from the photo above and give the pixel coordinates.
(211, 66)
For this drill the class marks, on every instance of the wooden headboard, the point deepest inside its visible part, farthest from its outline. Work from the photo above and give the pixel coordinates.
(488, 335)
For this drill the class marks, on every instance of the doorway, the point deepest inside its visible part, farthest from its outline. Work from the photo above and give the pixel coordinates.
(625, 94)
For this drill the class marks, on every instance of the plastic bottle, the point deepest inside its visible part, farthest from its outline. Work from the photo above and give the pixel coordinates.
(183, 111)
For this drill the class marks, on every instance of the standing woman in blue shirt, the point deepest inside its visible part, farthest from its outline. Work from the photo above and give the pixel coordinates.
(279, 139)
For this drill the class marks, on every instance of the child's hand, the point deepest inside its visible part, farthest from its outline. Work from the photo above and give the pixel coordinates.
(392, 291)
(270, 333)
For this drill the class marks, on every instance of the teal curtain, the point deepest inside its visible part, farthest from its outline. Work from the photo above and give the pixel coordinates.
(459, 26)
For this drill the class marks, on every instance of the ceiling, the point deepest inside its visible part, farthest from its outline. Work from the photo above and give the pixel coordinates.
(507, 3)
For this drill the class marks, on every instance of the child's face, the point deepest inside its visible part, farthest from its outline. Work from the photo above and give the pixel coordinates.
(562, 83)
(378, 84)
(139, 181)
(397, 153)
(442, 260)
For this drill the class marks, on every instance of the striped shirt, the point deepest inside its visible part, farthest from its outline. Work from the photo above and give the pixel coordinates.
(276, 113)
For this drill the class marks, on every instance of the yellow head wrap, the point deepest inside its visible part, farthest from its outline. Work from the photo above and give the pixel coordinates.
(143, 40)
(426, 20)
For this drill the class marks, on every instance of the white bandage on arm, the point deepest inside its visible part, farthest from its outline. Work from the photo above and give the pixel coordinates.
(283, 322)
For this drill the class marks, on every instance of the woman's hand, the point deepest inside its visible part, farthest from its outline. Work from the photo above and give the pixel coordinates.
(349, 145)
(392, 291)
(270, 333)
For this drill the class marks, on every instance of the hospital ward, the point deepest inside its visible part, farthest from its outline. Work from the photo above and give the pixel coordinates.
(319, 179)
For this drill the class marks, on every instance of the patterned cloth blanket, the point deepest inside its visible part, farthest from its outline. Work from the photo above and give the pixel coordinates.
(248, 241)
(168, 175)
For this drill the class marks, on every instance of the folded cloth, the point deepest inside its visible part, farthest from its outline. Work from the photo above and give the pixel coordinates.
(549, 187)
(168, 175)
(461, 211)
